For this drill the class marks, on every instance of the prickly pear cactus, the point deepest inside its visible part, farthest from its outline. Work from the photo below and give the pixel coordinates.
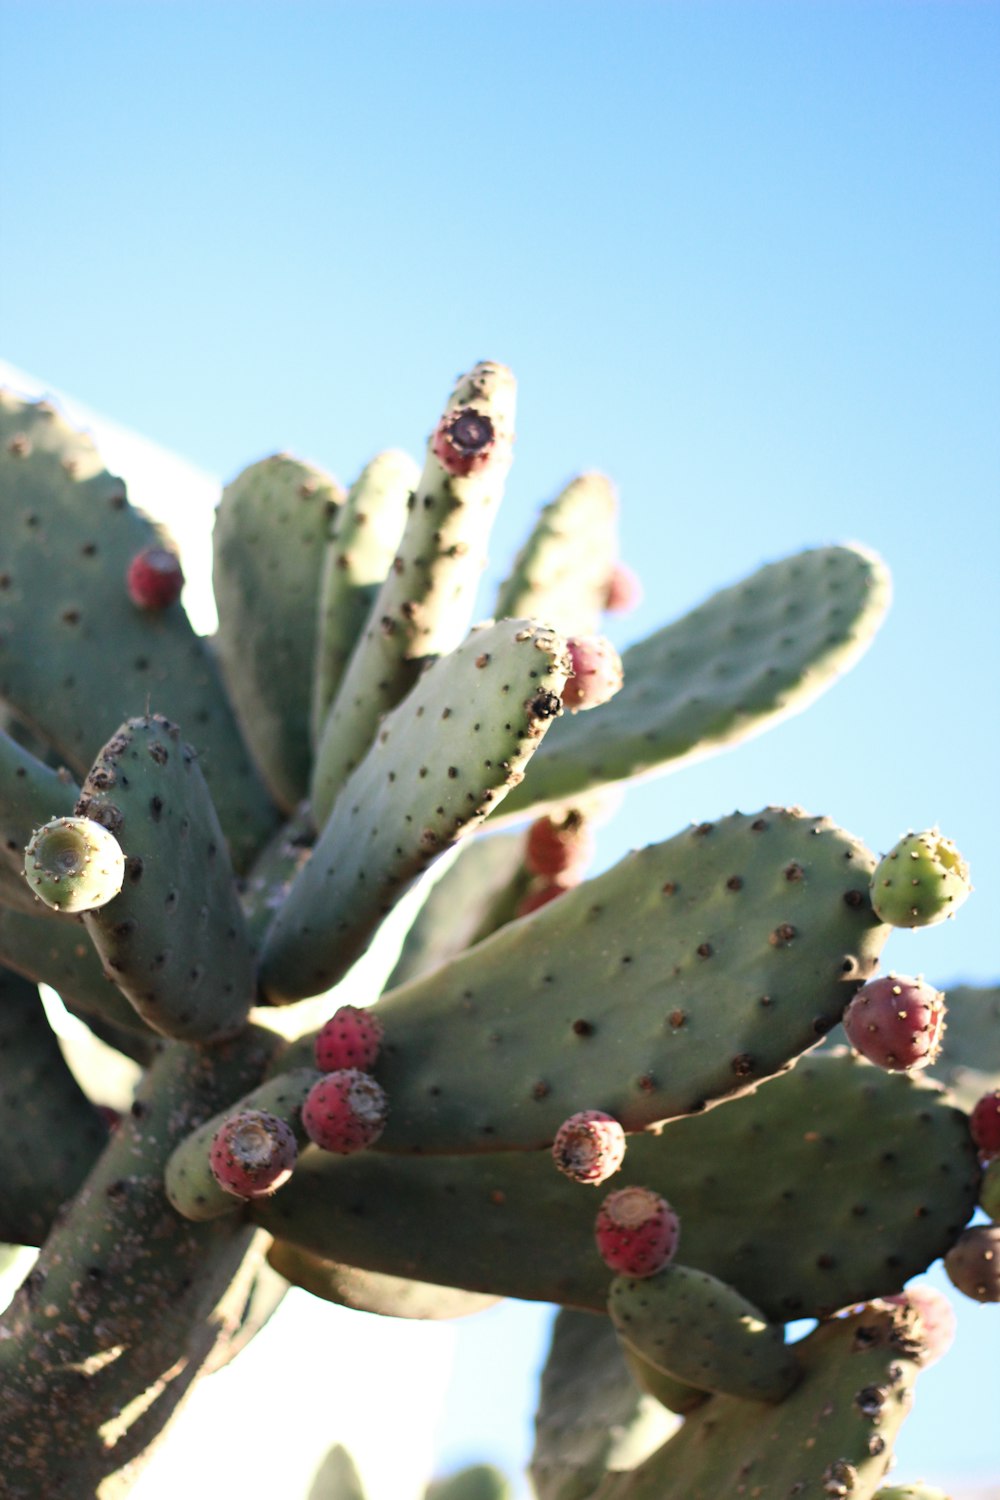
(194, 832)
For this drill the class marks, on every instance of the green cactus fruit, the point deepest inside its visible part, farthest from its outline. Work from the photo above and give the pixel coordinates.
(921, 881)
(592, 1418)
(74, 864)
(831, 1436)
(272, 530)
(367, 1291)
(700, 1331)
(973, 1263)
(989, 1191)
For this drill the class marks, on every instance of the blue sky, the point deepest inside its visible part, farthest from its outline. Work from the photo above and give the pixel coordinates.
(741, 256)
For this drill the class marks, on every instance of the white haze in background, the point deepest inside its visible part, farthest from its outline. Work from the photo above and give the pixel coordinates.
(316, 1374)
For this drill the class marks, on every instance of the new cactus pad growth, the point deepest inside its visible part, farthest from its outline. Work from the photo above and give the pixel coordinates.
(195, 831)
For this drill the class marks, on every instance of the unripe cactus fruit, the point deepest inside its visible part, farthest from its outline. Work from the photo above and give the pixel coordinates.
(624, 590)
(74, 864)
(344, 1112)
(989, 1191)
(350, 1039)
(597, 672)
(154, 578)
(973, 1263)
(636, 1232)
(589, 1146)
(252, 1153)
(921, 881)
(896, 1022)
(984, 1125)
(559, 847)
(938, 1322)
(464, 441)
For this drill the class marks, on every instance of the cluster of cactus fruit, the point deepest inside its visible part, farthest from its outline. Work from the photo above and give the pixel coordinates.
(200, 833)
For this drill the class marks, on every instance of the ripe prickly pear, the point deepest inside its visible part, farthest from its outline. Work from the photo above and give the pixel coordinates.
(984, 1125)
(624, 590)
(896, 1022)
(350, 1039)
(252, 1153)
(921, 881)
(154, 578)
(74, 864)
(973, 1263)
(344, 1112)
(464, 441)
(636, 1232)
(597, 672)
(559, 847)
(589, 1146)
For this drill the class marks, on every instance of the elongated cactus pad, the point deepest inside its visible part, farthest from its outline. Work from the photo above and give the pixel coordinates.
(367, 1291)
(76, 655)
(272, 531)
(174, 940)
(744, 660)
(691, 971)
(442, 761)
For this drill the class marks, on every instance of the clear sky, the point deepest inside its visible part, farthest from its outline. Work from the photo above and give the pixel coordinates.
(744, 257)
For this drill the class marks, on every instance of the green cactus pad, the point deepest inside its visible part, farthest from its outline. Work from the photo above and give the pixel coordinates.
(74, 864)
(476, 895)
(969, 1057)
(739, 663)
(910, 1492)
(174, 940)
(50, 1133)
(477, 1482)
(188, 1179)
(76, 656)
(691, 971)
(366, 1291)
(921, 881)
(358, 558)
(337, 1478)
(272, 530)
(833, 1183)
(832, 1436)
(561, 573)
(31, 793)
(442, 761)
(425, 604)
(591, 1416)
(698, 1330)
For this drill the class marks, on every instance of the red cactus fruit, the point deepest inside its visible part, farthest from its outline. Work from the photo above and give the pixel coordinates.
(624, 590)
(636, 1232)
(154, 578)
(540, 894)
(252, 1153)
(345, 1111)
(350, 1039)
(984, 1125)
(589, 1146)
(596, 675)
(938, 1322)
(896, 1022)
(562, 847)
(464, 441)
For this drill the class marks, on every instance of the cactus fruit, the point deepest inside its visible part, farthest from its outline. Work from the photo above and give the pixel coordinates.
(344, 1111)
(921, 881)
(636, 1232)
(154, 578)
(589, 1146)
(896, 1022)
(350, 1039)
(74, 864)
(464, 441)
(938, 1324)
(984, 1125)
(989, 1191)
(596, 674)
(253, 1153)
(973, 1263)
(624, 591)
(559, 847)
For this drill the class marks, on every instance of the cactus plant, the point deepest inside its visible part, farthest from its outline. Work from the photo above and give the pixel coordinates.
(272, 794)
